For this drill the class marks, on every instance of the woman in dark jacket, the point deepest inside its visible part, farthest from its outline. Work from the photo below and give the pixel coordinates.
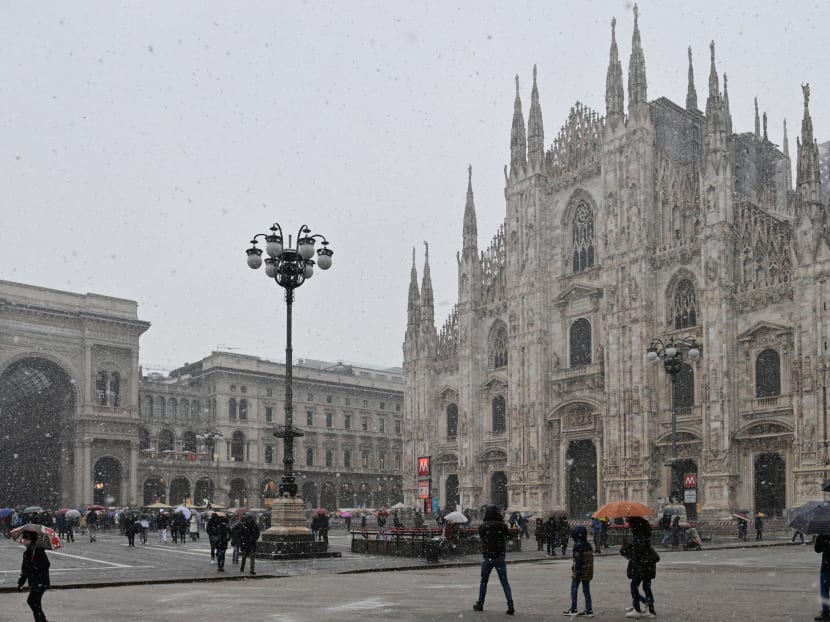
(582, 571)
(540, 534)
(35, 570)
(494, 535)
(219, 542)
(642, 566)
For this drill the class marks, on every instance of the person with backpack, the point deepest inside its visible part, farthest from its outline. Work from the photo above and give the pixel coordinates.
(582, 571)
(642, 567)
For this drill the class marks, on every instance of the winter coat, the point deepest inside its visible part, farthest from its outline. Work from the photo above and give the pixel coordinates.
(35, 568)
(249, 534)
(236, 533)
(642, 558)
(221, 535)
(540, 530)
(823, 546)
(212, 526)
(582, 568)
(493, 534)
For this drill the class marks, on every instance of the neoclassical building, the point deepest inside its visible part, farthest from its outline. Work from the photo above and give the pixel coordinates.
(657, 220)
(81, 423)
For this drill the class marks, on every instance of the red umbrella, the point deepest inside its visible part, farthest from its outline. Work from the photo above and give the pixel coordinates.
(46, 537)
(97, 508)
(320, 511)
(63, 511)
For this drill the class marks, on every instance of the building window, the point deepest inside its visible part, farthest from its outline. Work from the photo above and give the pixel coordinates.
(398, 427)
(381, 425)
(381, 460)
(452, 421)
(382, 406)
(309, 417)
(347, 458)
(269, 392)
(364, 423)
(115, 389)
(583, 237)
(309, 456)
(329, 458)
(684, 388)
(166, 440)
(498, 345)
(143, 439)
(398, 407)
(269, 454)
(172, 408)
(364, 459)
(365, 403)
(148, 406)
(189, 442)
(195, 410)
(768, 374)
(237, 447)
(310, 397)
(347, 422)
(397, 462)
(243, 409)
(232, 408)
(329, 420)
(684, 310)
(213, 410)
(499, 423)
(348, 401)
(160, 408)
(329, 399)
(184, 408)
(101, 388)
(580, 338)
(269, 414)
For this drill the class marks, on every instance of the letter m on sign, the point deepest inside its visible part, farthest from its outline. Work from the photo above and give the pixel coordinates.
(690, 480)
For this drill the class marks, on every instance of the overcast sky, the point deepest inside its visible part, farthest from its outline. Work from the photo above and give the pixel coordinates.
(142, 144)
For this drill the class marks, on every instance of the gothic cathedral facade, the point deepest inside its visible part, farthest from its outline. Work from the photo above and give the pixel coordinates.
(653, 222)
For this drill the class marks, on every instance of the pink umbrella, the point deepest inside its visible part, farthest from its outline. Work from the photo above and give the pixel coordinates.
(46, 537)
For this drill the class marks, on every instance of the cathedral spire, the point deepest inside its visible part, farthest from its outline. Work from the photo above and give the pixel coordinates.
(414, 302)
(637, 87)
(716, 115)
(470, 243)
(535, 128)
(757, 121)
(691, 93)
(614, 92)
(764, 121)
(807, 179)
(785, 148)
(427, 303)
(518, 143)
(714, 91)
(727, 115)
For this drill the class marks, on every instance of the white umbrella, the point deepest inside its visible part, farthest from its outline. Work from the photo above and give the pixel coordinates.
(185, 511)
(456, 517)
(72, 514)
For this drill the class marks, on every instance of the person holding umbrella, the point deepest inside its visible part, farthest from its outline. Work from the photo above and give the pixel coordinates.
(35, 570)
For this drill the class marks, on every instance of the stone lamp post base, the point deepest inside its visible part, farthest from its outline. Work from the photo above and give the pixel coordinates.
(288, 536)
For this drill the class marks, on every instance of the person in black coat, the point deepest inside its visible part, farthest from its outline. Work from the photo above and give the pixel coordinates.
(494, 535)
(219, 542)
(642, 566)
(35, 570)
(248, 536)
(823, 546)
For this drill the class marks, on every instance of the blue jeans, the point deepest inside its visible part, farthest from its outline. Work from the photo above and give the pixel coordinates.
(586, 592)
(487, 566)
(824, 591)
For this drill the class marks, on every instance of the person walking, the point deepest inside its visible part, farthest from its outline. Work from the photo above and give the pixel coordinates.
(130, 528)
(220, 543)
(35, 570)
(596, 532)
(193, 528)
(324, 528)
(211, 529)
(493, 534)
(540, 534)
(92, 524)
(665, 527)
(759, 526)
(642, 567)
(236, 538)
(798, 534)
(564, 529)
(582, 571)
(551, 535)
(822, 546)
(675, 531)
(247, 542)
(163, 522)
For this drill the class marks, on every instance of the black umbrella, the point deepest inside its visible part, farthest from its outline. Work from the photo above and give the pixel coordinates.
(812, 518)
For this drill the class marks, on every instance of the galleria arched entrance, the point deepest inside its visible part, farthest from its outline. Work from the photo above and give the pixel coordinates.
(37, 400)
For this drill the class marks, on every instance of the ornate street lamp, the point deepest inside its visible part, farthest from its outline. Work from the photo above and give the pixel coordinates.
(673, 355)
(209, 437)
(290, 266)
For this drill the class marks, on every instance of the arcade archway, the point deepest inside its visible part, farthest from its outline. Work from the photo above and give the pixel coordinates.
(107, 482)
(37, 399)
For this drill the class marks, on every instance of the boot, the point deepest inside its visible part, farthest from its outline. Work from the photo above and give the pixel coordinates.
(510, 611)
(478, 606)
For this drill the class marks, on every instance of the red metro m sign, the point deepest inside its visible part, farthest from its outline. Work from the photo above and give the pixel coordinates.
(423, 466)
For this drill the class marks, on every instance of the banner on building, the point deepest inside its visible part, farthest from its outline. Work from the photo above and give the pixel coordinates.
(423, 489)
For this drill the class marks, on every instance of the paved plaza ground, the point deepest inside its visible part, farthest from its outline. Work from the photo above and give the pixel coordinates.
(724, 581)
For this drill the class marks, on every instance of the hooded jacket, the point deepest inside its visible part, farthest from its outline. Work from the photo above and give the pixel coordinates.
(582, 568)
(493, 533)
(35, 568)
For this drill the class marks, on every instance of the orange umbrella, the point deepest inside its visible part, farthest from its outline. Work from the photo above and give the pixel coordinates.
(623, 509)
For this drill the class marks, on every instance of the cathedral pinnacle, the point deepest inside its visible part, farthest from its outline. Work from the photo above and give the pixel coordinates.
(614, 92)
(757, 122)
(470, 233)
(427, 304)
(414, 302)
(535, 127)
(691, 93)
(713, 74)
(808, 181)
(727, 115)
(764, 121)
(518, 142)
(637, 86)
(785, 143)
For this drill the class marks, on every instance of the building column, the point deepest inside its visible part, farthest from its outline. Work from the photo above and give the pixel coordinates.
(78, 472)
(86, 475)
(132, 494)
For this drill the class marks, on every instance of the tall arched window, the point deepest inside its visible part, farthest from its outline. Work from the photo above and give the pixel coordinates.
(160, 408)
(243, 409)
(166, 440)
(580, 338)
(768, 374)
(684, 307)
(347, 458)
(213, 410)
(583, 237)
(684, 388)
(237, 447)
(172, 408)
(115, 389)
(143, 439)
(189, 441)
(329, 458)
(499, 422)
(498, 345)
(184, 409)
(194, 410)
(309, 456)
(232, 408)
(452, 421)
(148, 406)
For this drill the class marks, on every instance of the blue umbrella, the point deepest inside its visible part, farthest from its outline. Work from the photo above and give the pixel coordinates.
(5, 512)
